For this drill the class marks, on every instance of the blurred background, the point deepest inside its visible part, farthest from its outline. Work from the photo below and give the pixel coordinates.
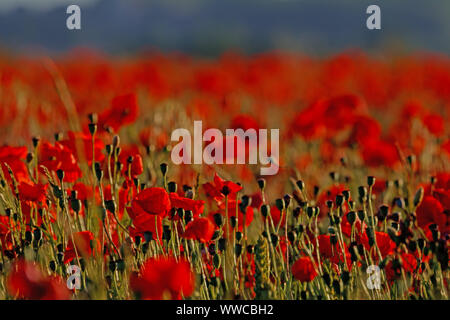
(210, 27)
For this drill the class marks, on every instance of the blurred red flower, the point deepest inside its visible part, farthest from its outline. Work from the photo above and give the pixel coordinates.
(27, 281)
(163, 278)
(123, 110)
(153, 201)
(201, 229)
(303, 270)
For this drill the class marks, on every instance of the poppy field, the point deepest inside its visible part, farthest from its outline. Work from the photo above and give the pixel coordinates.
(93, 207)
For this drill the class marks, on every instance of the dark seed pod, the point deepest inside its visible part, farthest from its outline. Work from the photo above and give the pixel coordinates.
(296, 212)
(218, 219)
(281, 205)
(148, 236)
(274, 238)
(361, 215)
(233, 222)
(98, 171)
(163, 167)
(250, 249)
(187, 216)
(300, 185)
(222, 244)
(261, 183)
(212, 249)
(265, 210)
(52, 265)
(370, 181)
(238, 249)
(351, 217)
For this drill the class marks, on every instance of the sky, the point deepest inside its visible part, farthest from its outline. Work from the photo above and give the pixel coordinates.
(210, 27)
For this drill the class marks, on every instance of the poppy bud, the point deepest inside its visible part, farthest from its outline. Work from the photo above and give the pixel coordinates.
(58, 136)
(118, 150)
(238, 249)
(333, 240)
(187, 216)
(238, 236)
(212, 249)
(398, 183)
(339, 200)
(112, 266)
(35, 141)
(274, 238)
(250, 249)
(111, 206)
(93, 117)
(137, 240)
(163, 167)
(300, 185)
(351, 217)
(233, 222)
(261, 183)
(119, 165)
(362, 191)
(28, 236)
(345, 277)
(329, 204)
(167, 235)
(60, 174)
(421, 243)
(412, 245)
(337, 286)
(148, 236)
(98, 171)
(310, 211)
(172, 186)
(116, 141)
(265, 210)
(292, 235)
(30, 157)
(120, 265)
(326, 278)
(296, 212)
(37, 234)
(52, 265)
(383, 212)
(346, 194)
(334, 176)
(8, 212)
(418, 197)
(216, 261)
(225, 191)
(287, 200)
(108, 149)
(222, 244)
(180, 212)
(92, 128)
(246, 200)
(370, 181)
(361, 215)
(218, 219)
(316, 191)
(281, 205)
(300, 228)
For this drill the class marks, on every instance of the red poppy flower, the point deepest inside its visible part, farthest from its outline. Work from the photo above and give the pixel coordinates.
(429, 211)
(201, 229)
(59, 157)
(163, 278)
(144, 222)
(303, 270)
(27, 281)
(384, 242)
(434, 124)
(32, 192)
(153, 201)
(85, 246)
(83, 140)
(123, 111)
(196, 206)
(13, 157)
(377, 153)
